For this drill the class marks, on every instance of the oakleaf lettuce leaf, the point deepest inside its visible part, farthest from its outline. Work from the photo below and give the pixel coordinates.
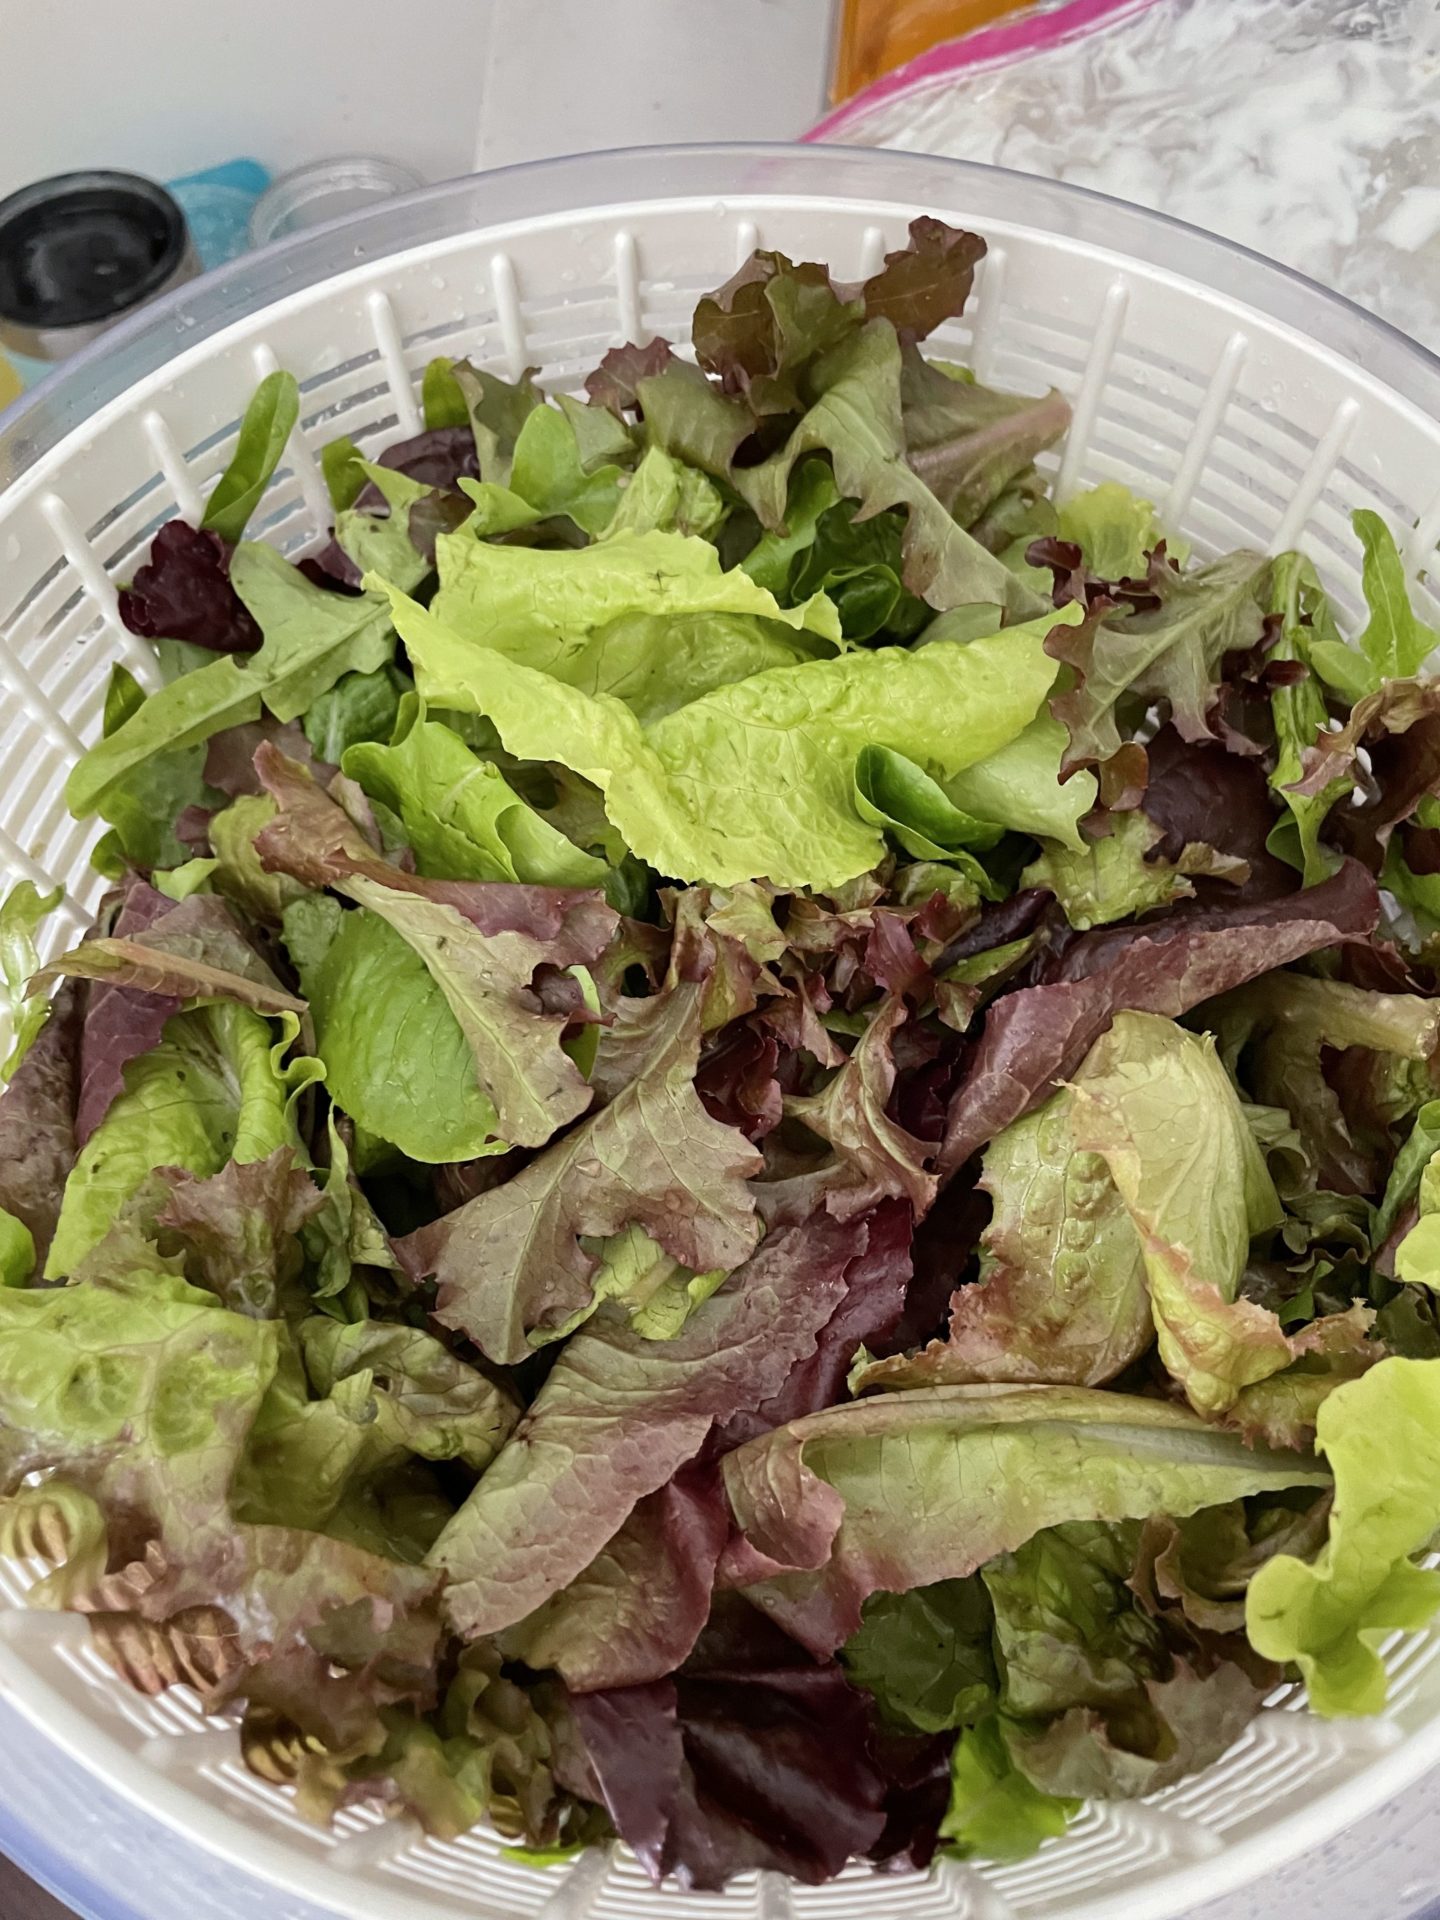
(1125, 873)
(511, 1262)
(984, 1469)
(753, 780)
(20, 916)
(1381, 1438)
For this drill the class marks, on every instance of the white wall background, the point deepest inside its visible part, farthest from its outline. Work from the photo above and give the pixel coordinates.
(168, 86)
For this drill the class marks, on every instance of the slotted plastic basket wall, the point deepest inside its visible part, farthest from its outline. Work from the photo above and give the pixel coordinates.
(1253, 407)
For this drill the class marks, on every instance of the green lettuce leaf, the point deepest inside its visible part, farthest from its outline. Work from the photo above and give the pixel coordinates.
(461, 816)
(311, 638)
(666, 496)
(1019, 786)
(359, 707)
(753, 780)
(983, 1468)
(142, 806)
(968, 442)
(411, 1077)
(858, 419)
(1395, 643)
(512, 1261)
(926, 1655)
(540, 606)
(20, 916)
(1381, 1438)
(994, 1811)
(1300, 714)
(1115, 878)
(211, 1092)
(1115, 530)
(891, 792)
(268, 423)
(1157, 1105)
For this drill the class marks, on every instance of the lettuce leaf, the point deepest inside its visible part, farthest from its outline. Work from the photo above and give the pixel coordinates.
(984, 1468)
(858, 419)
(20, 916)
(461, 816)
(1038, 1035)
(926, 1656)
(410, 1078)
(37, 1121)
(618, 1414)
(994, 1810)
(1019, 786)
(481, 945)
(1126, 873)
(209, 1093)
(752, 780)
(512, 1262)
(311, 639)
(1381, 1438)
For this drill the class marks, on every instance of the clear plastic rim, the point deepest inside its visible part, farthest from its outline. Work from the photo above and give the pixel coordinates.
(35, 424)
(38, 427)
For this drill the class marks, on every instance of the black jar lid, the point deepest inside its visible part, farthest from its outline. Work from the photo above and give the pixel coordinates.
(80, 249)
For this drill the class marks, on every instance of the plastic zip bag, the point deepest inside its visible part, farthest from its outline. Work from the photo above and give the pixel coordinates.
(1306, 129)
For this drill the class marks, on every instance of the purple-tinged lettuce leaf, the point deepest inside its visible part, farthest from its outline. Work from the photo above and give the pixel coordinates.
(512, 1262)
(637, 1610)
(1200, 794)
(37, 1121)
(119, 1022)
(857, 417)
(194, 951)
(239, 1231)
(1171, 654)
(1060, 1298)
(482, 945)
(1380, 1436)
(615, 383)
(984, 1468)
(761, 332)
(1174, 1727)
(183, 592)
(877, 1281)
(968, 442)
(871, 1158)
(619, 1414)
(753, 1756)
(925, 282)
(1398, 729)
(1037, 1036)
(1203, 1564)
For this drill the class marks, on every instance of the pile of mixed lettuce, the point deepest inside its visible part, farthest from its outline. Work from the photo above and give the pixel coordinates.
(747, 1155)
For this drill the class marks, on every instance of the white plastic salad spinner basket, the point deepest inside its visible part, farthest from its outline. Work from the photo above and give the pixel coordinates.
(1255, 408)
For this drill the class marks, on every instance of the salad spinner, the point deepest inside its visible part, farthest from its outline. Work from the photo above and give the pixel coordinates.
(1253, 407)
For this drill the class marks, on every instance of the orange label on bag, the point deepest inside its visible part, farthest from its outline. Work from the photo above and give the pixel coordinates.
(877, 36)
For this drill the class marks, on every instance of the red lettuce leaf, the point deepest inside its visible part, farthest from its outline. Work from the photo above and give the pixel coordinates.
(1037, 1036)
(754, 1756)
(183, 592)
(37, 1121)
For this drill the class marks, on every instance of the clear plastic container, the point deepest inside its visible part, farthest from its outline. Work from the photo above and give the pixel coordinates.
(1261, 407)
